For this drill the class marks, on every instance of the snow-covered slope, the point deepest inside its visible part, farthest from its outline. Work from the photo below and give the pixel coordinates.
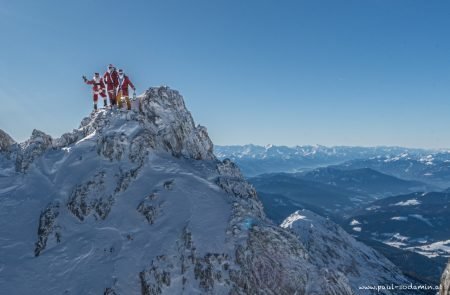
(136, 203)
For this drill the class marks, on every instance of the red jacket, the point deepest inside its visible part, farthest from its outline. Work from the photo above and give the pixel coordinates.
(111, 79)
(96, 86)
(124, 83)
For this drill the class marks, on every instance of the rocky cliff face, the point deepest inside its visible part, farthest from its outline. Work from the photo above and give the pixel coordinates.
(6, 141)
(332, 249)
(444, 288)
(136, 203)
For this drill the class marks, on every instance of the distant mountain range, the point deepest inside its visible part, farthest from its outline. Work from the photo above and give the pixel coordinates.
(430, 166)
(255, 159)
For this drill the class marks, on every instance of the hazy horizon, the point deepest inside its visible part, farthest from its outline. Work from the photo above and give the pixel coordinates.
(330, 146)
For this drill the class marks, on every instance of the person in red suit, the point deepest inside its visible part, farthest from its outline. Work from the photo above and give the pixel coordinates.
(111, 79)
(122, 89)
(98, 88)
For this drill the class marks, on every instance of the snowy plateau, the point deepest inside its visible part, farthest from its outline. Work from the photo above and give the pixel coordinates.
(135, 202)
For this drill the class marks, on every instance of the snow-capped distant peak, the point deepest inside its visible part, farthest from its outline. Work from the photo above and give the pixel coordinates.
(400, 218)
(355, 222)
(288, 222)
(411, 202)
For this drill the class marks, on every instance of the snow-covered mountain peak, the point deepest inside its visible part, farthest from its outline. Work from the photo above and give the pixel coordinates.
(159, 120)
(135, 202)
(31, 149)
(37, 138)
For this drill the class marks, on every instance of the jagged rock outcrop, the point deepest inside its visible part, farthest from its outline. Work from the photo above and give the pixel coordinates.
(165, 113)
(444, 288)
(91, 197)
(209, 272)
(32, 149)
(164, 123)
(47, 227)
(330, 247)
(6, 141)
(150, 207)
(109, 291)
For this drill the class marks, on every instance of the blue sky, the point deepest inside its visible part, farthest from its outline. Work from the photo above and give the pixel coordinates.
(281, 72)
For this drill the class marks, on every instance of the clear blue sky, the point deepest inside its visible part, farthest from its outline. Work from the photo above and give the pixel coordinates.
(281, 72)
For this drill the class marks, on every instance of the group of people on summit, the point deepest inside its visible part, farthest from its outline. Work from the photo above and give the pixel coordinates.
(117, 84)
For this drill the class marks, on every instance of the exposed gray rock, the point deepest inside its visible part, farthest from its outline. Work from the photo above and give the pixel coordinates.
(208, 273)
(90, 196)
(110, 291)
(444, 288)
(210, 270)
(330, 247)
(103, 206)
(165, 113)
(230, 169)
(6, 141)
(112, 146)
(68, 139)
(150, 207)
(124, 178)
(271, 262)
(141, 145)
(47, 226)
(156, 277)
(167, 125)
(233, 182)
(168, 185)
(32, 149)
